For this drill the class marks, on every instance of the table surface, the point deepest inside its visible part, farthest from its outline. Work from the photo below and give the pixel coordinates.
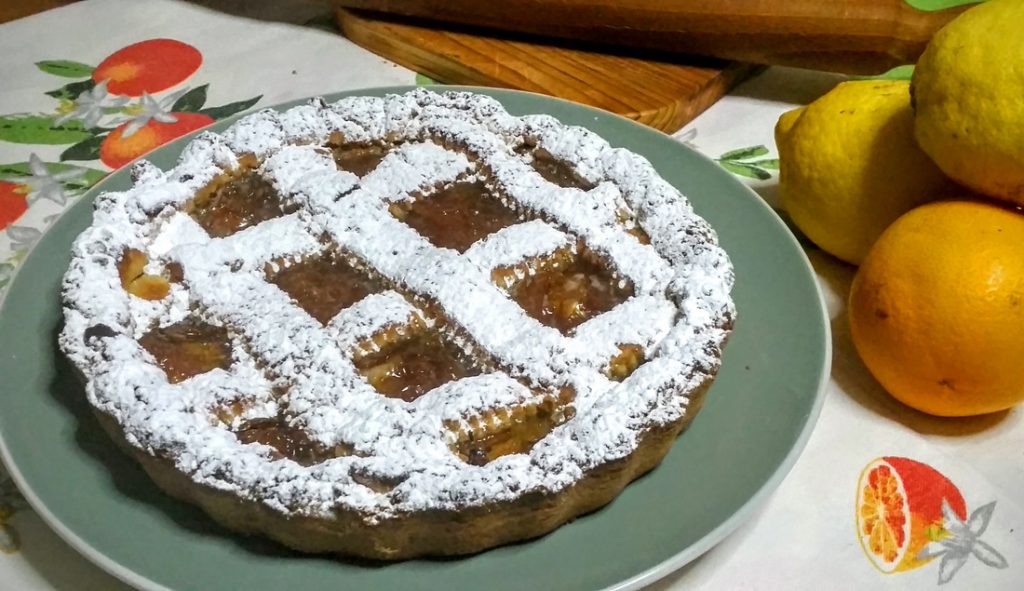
(257, 54)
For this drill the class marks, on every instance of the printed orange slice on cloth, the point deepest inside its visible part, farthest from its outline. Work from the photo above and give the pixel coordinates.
(148, 66)
(13, 203)
(117, 149)
(899, 511)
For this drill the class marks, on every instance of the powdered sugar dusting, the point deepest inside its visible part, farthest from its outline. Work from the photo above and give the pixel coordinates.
(288, 364)
(514, 244)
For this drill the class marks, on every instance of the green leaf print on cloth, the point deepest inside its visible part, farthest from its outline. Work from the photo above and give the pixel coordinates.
(747, 162)
(25, 183)
(40, 129)
(11, 502)
(6, 272)
(230, 108)
(934, 5)
(744, 153)
(87, 149)
(72, 90)
(191, 101)
(65, 68)
(80, 179)
(898, 73)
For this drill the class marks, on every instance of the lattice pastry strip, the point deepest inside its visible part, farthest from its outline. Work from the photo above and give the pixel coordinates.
(507, 249)
(354, 328)
(288, 345)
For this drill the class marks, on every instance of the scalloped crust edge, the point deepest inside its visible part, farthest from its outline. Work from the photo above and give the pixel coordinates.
(426, 533)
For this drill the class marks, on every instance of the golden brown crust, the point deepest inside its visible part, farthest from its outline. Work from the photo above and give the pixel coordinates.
(426, 533)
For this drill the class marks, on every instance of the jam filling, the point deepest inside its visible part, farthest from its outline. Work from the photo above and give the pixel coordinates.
(134, 279)
(638, 233)
(188, 348)
(324, 285)
(288, 441)
(130, 266)
(567, 296)
(415, 366)
(625, 363)
(457, 216)
(359, 159)
(517, 431)
(558, 172)
(175, 274)
(242, 200)
(376, 482)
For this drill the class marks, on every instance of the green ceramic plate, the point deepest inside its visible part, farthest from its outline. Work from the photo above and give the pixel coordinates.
(757, 418)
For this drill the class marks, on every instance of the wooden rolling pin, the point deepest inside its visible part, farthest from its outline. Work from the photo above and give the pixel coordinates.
(852, 36)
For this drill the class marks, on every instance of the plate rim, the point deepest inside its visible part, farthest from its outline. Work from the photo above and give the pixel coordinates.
(671, 564)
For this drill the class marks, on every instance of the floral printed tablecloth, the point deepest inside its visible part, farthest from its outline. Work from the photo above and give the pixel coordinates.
(91, 86)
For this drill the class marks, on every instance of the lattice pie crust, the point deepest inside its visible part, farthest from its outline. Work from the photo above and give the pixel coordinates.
(397, 326)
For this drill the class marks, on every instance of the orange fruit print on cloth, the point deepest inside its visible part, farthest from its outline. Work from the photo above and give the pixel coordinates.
(120, 148)
(909, 514)
(148, 66)
(12, 203)
(136, 99)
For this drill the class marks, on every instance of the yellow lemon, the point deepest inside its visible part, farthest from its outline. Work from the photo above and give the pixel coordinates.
(849, 165)
(937, 308)
(967, 94)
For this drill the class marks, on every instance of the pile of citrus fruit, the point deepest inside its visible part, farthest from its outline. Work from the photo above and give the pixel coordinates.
(921, 184)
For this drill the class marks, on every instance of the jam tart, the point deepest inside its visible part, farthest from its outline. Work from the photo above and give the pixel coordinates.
(400, 326)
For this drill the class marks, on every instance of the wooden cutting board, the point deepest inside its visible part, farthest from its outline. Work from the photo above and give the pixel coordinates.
(852, 36)
(662, 94)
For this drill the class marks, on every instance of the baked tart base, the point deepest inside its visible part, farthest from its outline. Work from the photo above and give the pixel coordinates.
(396, 327)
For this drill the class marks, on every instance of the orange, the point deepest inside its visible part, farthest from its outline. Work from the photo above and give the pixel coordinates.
(899, 511)
(937, 308)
